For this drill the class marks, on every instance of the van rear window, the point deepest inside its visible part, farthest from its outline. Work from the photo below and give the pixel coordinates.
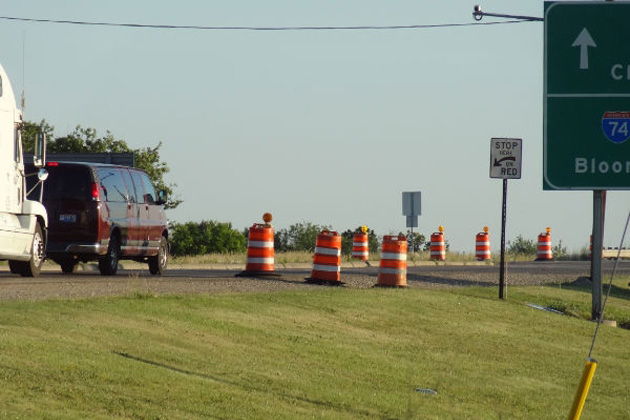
(68, 183)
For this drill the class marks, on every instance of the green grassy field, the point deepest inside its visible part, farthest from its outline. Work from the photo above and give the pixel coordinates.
(332, 353)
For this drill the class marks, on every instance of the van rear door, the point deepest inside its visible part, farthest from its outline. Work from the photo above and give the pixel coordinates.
(72, 212)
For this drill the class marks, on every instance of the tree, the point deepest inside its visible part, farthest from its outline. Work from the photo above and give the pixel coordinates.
(299, 237)
(417, 243)
(206, 237)
(30, 130)
(148, 159)
(347, 239)
(86, 140)
(522, 246)
(280, 240)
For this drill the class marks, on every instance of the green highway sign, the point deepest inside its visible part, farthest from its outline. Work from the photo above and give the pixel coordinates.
(586, 96)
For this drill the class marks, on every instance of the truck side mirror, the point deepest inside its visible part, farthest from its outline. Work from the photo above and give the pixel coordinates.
(39, 154)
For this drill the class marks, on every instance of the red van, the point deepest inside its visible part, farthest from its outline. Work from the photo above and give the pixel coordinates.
(105, 213)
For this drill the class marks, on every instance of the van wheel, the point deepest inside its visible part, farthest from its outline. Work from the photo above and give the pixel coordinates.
(32, 267)
(68, 266)
(108, 265)
(157, 264)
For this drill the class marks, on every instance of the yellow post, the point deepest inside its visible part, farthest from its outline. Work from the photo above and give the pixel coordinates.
(582, 392)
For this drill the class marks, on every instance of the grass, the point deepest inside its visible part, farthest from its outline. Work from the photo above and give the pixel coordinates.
(574, 299)
(326, 353)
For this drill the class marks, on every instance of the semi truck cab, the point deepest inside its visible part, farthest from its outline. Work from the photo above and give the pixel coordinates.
(23, 222)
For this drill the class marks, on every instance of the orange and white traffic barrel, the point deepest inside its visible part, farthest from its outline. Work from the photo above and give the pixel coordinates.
(392, 271)
(260, 251)
(327, 259)
(360, 250)
(438, 246)
(544, 246)
(482, 245)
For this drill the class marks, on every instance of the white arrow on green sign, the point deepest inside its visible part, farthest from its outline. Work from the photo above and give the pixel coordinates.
(587, 95)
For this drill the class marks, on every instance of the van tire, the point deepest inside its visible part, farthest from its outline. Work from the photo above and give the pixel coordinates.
(33, 266)
(108, 265)
(68, 266)
(157, 264)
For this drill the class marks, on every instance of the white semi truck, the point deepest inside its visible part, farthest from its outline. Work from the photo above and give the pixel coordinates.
(23, 222)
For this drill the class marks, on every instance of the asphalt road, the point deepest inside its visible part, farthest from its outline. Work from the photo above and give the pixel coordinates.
(189, 279)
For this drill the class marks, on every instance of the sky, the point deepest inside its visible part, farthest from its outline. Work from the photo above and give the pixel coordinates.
(327, 126)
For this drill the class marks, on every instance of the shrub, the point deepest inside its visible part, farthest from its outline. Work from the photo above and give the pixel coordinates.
(560, 252)
(418, 243)
(299, 237)
(522, 246)
(206, 237)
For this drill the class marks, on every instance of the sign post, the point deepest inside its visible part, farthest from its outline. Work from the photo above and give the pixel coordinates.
(411, 209)
(506, 157)
(587, 108)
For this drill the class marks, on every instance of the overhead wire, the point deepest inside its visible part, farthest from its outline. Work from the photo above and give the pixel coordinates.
(259, 28)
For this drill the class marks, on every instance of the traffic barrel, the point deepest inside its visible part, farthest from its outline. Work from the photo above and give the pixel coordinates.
(392, 271)
(260, 251)
(360, 250)
(544, 246)
(438, 246)
(327, 259)
(482, 245)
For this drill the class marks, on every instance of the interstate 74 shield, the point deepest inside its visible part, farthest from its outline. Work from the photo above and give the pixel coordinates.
(616, 126)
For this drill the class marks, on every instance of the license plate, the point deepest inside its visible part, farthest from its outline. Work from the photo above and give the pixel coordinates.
(68, 218)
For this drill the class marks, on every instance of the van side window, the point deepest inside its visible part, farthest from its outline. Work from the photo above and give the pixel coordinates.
(144, 188)
(149, 191)
(112, 185)
(137, 181)
(132, 190)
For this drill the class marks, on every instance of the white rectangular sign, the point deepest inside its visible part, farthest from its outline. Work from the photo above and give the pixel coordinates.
(505, 158)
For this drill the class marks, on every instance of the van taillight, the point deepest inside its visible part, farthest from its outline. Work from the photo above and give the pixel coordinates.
(52, 164)
(95, 193)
